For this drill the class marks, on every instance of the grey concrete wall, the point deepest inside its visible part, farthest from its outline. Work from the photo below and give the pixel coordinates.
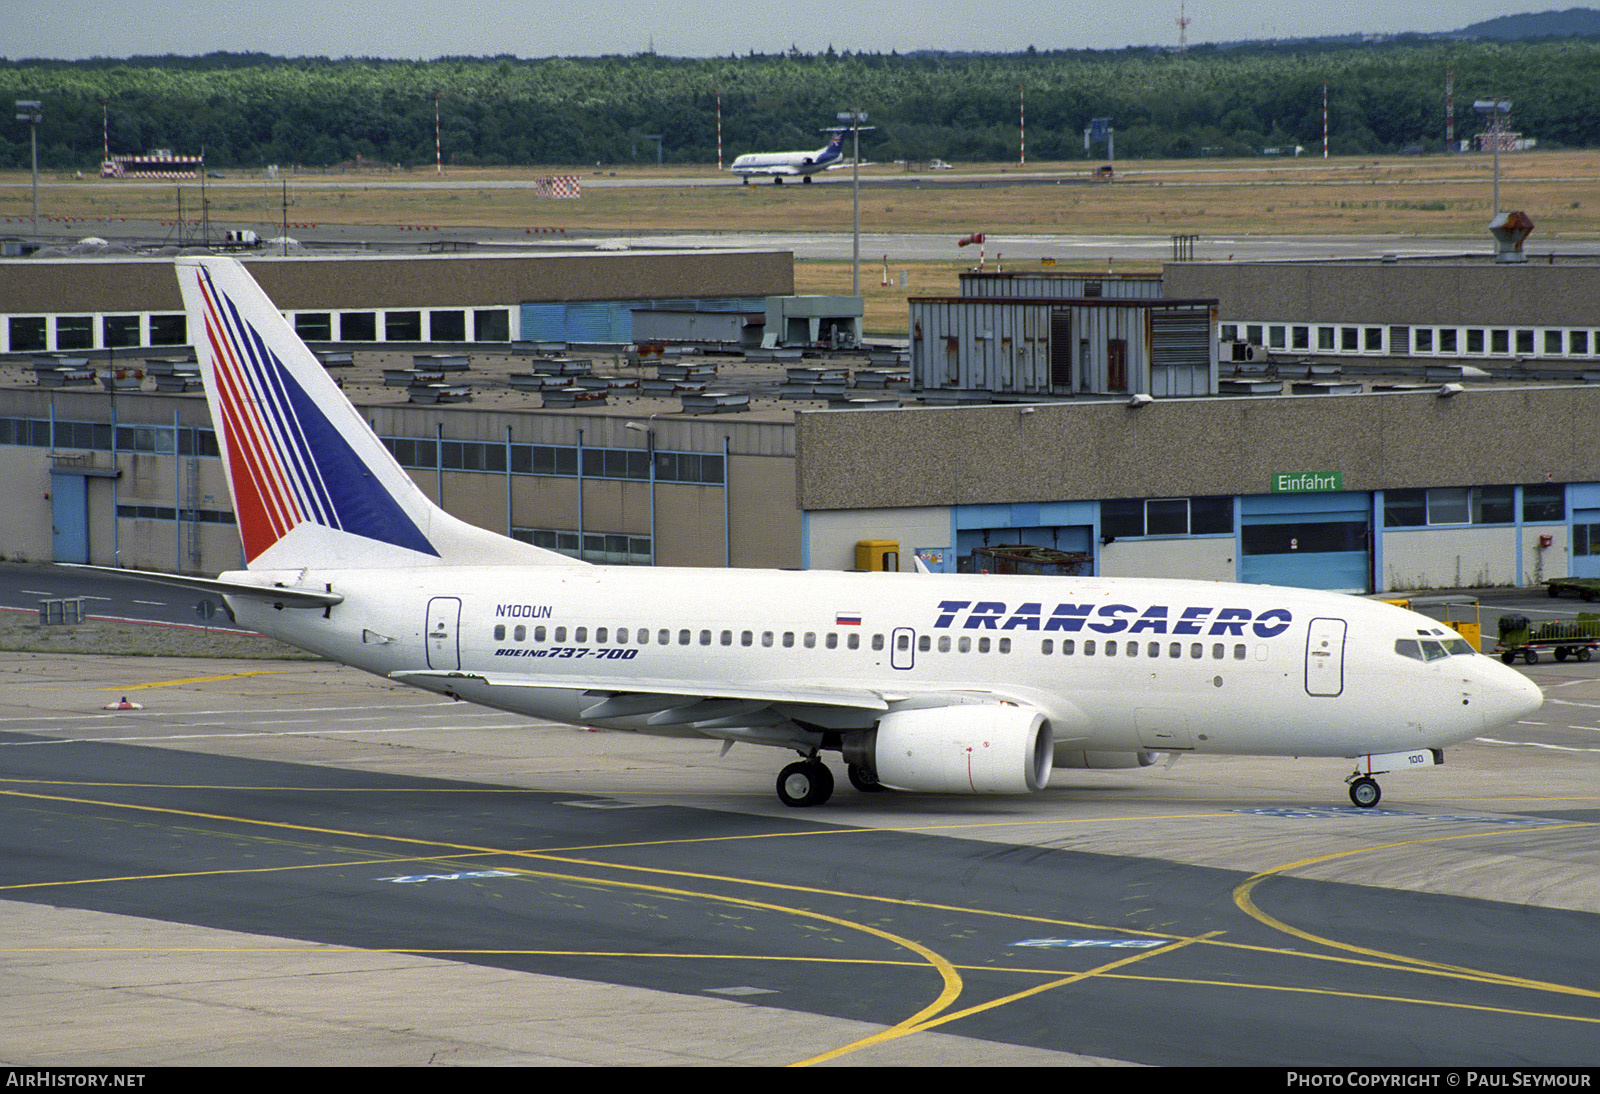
(1178, 448)
(1457, 294)
(77, 286)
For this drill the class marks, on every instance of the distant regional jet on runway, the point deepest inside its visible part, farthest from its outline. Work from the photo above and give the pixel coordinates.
(781, 164)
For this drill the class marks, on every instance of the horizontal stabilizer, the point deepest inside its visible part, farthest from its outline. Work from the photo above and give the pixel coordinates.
(276, 595)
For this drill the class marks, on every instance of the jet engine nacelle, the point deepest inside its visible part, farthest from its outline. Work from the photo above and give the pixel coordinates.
(982, 748)
(1077, 757)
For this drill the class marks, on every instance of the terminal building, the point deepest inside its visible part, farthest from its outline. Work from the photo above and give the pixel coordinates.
(1390, 486)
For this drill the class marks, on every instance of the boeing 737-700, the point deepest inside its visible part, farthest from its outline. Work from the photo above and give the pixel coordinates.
(946, 683)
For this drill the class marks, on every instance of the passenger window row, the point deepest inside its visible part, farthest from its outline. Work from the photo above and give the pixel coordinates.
(944, 643)
(642, 636)
(1131, 648)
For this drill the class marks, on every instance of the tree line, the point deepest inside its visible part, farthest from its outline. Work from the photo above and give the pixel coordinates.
(246, 110)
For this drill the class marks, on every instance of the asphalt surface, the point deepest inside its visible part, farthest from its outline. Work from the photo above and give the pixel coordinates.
(290, 862)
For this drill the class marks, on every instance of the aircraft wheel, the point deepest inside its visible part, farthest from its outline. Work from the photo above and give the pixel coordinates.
(806, 179)
(864, 779)
(1531, 657)
(777, 181)
(1365, 792)
(805, 783)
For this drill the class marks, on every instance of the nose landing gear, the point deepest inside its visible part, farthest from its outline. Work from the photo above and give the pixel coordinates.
(1365, 791)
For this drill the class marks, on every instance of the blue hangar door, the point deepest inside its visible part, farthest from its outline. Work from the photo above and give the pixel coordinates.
(1585, 542)
(69, 517)
(1312, 541)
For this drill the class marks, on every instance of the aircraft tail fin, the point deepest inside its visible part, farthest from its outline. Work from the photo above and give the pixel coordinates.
(312, 485)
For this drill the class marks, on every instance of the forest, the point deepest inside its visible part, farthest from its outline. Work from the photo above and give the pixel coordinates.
(246, 110)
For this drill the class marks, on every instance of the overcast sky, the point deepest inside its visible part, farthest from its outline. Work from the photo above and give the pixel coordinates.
(687, 28)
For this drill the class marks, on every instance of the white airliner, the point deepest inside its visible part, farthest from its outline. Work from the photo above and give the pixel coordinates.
(780, 165)
(924, 682)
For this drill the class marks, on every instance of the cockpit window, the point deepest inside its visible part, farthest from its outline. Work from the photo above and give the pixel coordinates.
(1428, 650)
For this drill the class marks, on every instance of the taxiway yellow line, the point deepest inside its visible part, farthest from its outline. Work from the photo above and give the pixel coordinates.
(193, 680)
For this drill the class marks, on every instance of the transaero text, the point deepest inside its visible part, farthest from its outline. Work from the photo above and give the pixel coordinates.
(993, 615)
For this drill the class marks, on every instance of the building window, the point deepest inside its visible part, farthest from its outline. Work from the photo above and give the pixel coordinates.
(119, 330)
(1300, 338)
(314, 326)
(491, 325)
(447, 326)
(402, 326)
(358, 326)
(169, 330)
(1474, 339)
(1544, 503)
(1500, 341)
(1578, 342)
(74, 332)
(1449, 505)
(1424, 339)
(1309, 537)
(1552, 343)
(1447, 340)
(1405, 508)
(1166, 517)
(26, 333)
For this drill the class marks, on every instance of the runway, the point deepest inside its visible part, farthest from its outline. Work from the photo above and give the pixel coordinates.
(279, 862)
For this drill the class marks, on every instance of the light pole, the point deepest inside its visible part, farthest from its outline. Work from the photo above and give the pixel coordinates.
(648, 429)
(855, 118)
(1496, 110)
(32, 112)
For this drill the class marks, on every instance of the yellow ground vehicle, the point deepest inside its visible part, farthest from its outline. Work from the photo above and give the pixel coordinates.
(1462, 614)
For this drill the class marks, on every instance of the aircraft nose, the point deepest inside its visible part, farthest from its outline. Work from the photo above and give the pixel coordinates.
(1510, 697)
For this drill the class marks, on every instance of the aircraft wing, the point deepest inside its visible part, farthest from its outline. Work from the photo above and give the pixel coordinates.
(712, 706)
(642, 695)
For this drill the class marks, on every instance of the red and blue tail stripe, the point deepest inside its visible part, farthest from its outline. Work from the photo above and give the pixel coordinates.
(288, 463)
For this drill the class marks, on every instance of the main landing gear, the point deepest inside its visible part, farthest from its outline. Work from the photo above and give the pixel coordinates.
(809, 782)
(805, 782)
